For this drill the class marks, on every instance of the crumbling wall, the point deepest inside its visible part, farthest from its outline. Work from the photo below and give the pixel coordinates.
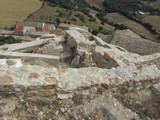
(135, 44)
(28, 77)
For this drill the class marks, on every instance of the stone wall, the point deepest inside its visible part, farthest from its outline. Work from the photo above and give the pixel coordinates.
(132, 42)
(28, 78)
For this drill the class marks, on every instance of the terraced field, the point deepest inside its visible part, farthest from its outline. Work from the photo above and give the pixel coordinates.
(152, 20)
(134, 26)
(12, 11)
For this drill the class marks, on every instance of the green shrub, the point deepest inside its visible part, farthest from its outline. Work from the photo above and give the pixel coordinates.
(7, 40)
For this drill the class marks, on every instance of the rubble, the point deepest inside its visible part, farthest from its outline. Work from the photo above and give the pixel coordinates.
(156, 88)
(26, 47)
(53, 49)
(78, 42)
(53, 60)
(11, 62)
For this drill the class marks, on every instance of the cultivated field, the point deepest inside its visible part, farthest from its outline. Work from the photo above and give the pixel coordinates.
(12, 11)
(134, 26)
(152, 20)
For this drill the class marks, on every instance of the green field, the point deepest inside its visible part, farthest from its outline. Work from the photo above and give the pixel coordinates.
(12, 11)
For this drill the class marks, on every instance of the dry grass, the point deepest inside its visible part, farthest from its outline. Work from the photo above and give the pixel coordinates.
(12, 11)
(134, 26)
(154, 4)
(97, 3)
(152, 20)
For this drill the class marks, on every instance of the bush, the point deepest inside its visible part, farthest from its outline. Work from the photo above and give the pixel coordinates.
(92, 19)
(7, 40)
(57, 20)
(100, 28)
(73, 19)
(95, 32)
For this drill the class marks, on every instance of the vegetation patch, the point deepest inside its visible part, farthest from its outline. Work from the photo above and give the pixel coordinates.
(56, 15)
(7, 40)
(154, 21)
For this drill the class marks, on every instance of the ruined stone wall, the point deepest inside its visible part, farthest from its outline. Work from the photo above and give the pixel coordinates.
(140, 46)
(37, 79)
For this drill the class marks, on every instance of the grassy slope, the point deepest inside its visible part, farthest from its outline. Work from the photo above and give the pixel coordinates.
(97, 3)
(66, 17)
(154, 4)
(16, 10)
(136, 27)
(152, 20)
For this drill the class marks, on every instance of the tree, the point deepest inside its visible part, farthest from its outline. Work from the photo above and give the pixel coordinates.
(57, 20)
(95, 32)
(100, 28)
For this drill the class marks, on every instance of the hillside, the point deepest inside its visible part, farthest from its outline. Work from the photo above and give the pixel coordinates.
(55, 14)
(132, 25)
(93, 13)
(153, 21)
(97, 3)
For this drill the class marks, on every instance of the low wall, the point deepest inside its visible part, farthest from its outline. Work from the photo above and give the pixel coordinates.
(36, 80)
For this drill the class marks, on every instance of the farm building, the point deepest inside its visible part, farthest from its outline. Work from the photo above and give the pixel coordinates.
(45, 28)
(28, 30)
(40, 26)
(24, 30)
(51, 27)
(19, 30)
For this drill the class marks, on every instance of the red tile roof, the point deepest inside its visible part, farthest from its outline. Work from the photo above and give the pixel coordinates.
(19, 28)
(45, 28)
